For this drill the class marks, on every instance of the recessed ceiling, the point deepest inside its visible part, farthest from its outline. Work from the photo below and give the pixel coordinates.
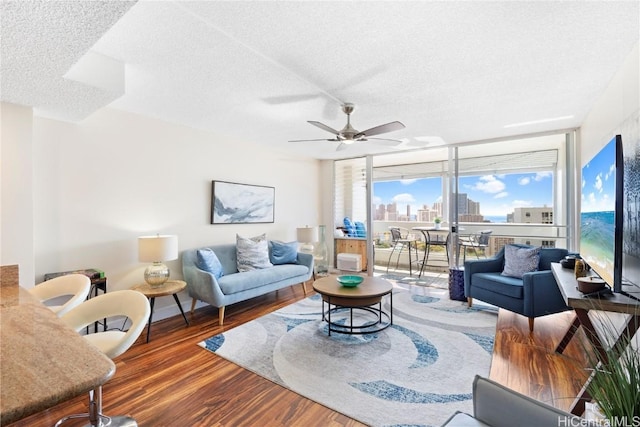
(258, 70)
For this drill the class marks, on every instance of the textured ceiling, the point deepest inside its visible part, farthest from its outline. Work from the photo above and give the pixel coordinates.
(258, 70)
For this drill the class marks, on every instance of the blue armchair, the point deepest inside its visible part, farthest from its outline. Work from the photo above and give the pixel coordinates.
(536, 294)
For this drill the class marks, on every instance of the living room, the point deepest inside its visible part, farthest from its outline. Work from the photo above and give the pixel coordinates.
(78, 194)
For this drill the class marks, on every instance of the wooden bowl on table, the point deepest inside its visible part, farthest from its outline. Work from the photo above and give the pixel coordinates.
(587, 285)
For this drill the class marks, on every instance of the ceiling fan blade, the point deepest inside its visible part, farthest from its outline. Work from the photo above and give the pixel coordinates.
(323, 127)
(389, 127)
(385, 141)
(289, 98)
(312, 140)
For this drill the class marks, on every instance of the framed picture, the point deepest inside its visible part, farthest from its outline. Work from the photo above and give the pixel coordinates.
(233, 203)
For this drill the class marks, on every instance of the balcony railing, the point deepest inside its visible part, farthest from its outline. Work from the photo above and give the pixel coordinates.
(548, 235)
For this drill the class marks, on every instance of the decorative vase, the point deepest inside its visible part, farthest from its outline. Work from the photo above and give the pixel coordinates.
(437, 225)
(321, 254)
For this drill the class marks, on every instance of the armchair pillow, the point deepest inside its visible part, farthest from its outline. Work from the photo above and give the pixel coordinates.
(208, 261)
(349, 227)
(519, 260)
(283, 253)
(252, 253)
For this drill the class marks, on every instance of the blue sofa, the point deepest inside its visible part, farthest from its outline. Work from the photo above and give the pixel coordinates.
(536, 294)
(234, 286)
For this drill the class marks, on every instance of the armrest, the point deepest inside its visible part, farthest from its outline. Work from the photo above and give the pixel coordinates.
(541, 294)
(203, 286)
(471, 267)
(306, 260)
(498, 406)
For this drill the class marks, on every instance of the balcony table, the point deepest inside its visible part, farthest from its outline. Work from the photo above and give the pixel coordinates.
(43, 361)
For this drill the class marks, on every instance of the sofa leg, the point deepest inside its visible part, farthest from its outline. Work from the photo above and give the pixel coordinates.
(531, 319)
(193, 304)
(221, 315)
(469, 301)
(304, 288)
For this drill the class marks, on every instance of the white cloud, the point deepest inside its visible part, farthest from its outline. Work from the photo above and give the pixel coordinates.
(598, 184)
(543, 175)
(489, 184)
(407, 181)
(501, 195)
(404, 198)
(524, 180)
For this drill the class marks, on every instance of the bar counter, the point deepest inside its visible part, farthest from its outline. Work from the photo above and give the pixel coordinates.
(43, 361)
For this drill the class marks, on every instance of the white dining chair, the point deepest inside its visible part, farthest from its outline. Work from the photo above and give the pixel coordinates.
(132, 304)
(75, 285)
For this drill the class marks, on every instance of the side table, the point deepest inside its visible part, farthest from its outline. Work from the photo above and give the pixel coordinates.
(170, 287)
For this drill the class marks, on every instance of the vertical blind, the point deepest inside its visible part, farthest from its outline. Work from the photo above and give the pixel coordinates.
(350, 183)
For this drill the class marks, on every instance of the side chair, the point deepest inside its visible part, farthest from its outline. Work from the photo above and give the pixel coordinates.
(77, 286)
(112, 343)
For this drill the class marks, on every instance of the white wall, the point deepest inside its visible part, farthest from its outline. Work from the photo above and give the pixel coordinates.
(619, 104)
(100, 184)
(16, 232)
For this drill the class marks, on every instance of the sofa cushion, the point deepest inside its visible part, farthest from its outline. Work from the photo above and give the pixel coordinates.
(519, 260)
(498, 283)
(208, 261)
(239, 282)
(252, 253)
(283, 253)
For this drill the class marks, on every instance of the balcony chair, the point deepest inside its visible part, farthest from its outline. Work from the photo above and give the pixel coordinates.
(535, 293)
(132, 304)
(399, 243)
(476, 242)
(434, 238)
(75, 285)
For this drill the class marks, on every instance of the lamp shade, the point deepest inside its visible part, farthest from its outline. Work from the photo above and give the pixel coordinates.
(307, 234)
(157, 248)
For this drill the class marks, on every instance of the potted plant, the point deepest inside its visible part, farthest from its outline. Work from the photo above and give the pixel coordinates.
(437, 222)
(615, 377)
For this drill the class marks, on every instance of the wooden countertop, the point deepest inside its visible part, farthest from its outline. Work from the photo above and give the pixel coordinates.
(42, 360)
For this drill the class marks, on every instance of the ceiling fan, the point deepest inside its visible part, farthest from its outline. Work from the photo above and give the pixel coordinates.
(348, 135)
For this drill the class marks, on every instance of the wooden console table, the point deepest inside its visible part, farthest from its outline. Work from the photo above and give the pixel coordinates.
(350, 245)
(616, 303)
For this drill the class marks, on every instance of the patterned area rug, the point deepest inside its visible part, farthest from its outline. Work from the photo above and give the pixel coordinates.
(417, 372)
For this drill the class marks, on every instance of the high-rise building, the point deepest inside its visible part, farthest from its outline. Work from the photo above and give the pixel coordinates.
(533, 215)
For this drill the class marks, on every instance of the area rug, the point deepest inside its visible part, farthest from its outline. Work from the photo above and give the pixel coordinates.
(417, 372)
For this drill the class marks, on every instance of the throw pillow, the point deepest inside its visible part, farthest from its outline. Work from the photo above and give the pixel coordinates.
(349, 226)
(519, 260)
(208, 261)
(284, 253)
(253, 253)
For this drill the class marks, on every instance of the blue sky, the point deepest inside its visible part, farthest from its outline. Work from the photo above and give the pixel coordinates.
(497, 194)
(598, 181)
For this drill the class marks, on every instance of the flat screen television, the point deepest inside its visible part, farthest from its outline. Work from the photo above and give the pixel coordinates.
(601, 213)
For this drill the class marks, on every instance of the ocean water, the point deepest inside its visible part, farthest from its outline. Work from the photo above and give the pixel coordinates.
(597, 236)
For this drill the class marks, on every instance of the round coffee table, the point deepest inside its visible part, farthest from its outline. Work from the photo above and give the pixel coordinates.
(367, 297)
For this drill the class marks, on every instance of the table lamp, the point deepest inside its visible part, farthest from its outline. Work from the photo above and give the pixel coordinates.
(156, 249)
(306, 236)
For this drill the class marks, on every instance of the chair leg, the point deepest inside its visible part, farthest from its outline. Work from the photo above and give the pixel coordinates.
(469, 301)
(531, 319)
(193, 304)
(221, 315)
(390, 256)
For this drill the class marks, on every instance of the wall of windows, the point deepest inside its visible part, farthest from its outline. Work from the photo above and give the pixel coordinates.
(518, 188)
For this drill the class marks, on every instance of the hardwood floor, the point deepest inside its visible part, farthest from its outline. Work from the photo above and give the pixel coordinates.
(172, 382)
